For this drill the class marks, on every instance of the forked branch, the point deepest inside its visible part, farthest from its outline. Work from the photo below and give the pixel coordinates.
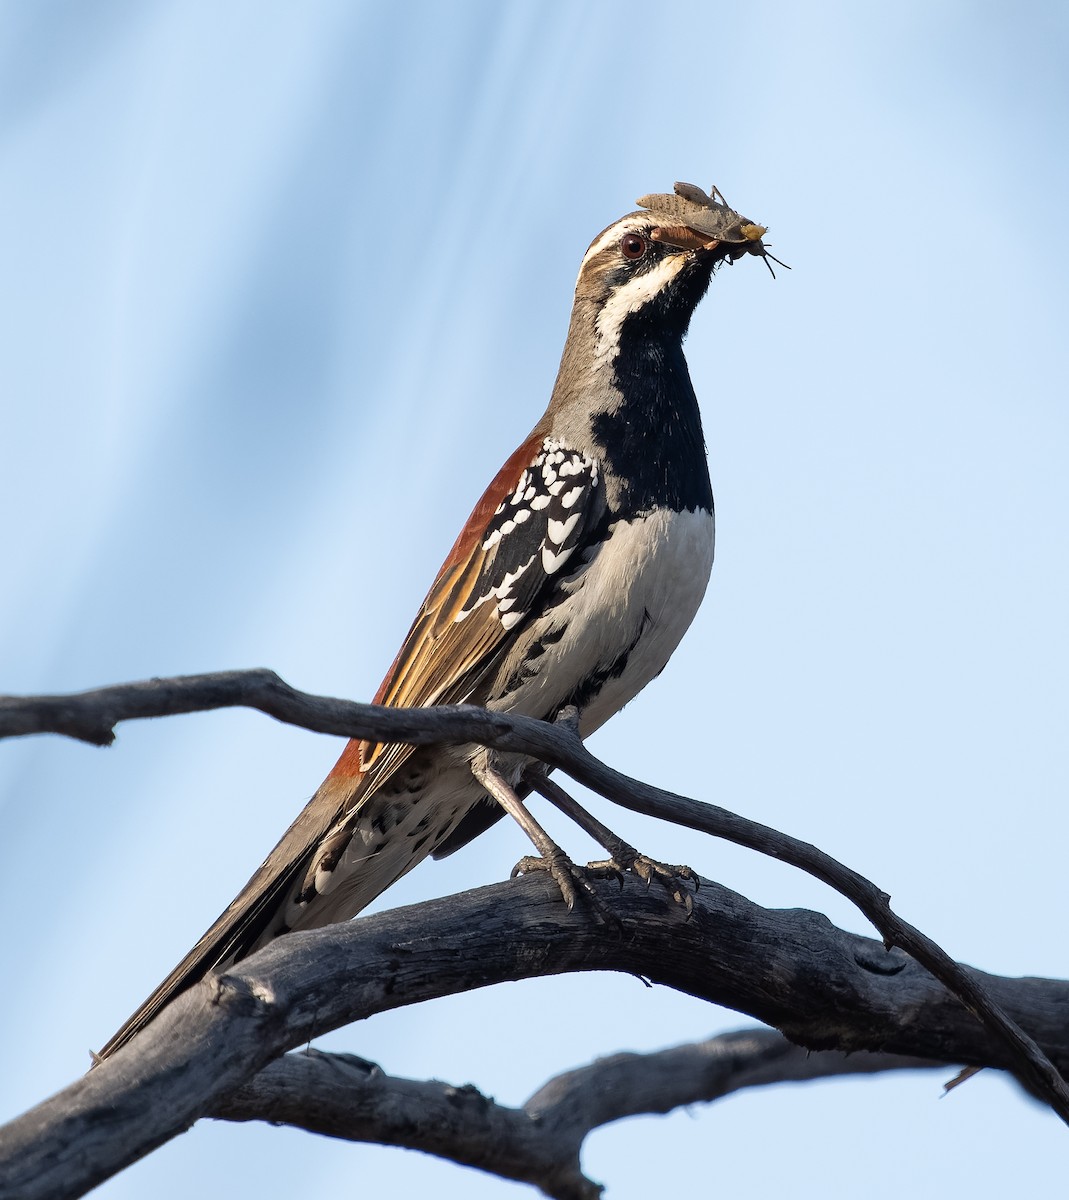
(91, 716)
(292, 1005)
(791, 969)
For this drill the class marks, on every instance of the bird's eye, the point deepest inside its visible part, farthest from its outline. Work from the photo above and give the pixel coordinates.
(633, 246)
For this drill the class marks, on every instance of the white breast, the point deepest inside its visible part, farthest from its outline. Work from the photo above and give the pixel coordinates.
(636, 598)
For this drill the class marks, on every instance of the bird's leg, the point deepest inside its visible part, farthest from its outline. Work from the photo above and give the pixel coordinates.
(552, 858)
(622, 855)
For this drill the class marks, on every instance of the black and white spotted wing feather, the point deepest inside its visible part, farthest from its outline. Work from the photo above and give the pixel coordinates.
(534, 532)
(499, 571)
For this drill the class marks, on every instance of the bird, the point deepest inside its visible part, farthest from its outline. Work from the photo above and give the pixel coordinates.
(566, 592)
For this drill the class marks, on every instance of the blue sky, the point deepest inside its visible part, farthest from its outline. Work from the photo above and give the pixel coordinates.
(285, 283)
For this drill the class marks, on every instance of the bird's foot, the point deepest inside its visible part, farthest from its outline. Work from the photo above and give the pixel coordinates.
(571, 879)
(673, 878)
(622, 856)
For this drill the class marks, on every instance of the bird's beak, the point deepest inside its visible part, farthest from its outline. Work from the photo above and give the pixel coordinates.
(742, 238)
(684, 238)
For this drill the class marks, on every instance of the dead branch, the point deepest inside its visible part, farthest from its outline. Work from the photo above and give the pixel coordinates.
(792, 969)
(343, 1096)
(91, 716)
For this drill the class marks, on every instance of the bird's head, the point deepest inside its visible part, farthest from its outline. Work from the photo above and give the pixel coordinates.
(655, 265)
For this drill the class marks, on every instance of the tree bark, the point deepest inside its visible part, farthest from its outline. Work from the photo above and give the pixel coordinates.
(343, 1096)
(823, 987)
(91, 716)
(217, 1050)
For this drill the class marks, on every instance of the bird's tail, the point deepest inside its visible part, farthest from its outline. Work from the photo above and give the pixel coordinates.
(257, 914)
(237, 932)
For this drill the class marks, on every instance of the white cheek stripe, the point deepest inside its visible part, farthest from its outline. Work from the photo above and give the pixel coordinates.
(629, 298)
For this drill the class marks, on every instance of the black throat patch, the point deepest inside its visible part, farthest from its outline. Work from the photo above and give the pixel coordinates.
(653, 438)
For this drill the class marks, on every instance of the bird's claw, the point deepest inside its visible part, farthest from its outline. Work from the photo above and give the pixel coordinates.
(570, 879)
(671, 877)
(606, 868)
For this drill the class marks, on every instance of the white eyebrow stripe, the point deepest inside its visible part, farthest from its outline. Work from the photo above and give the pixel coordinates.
(635, 224)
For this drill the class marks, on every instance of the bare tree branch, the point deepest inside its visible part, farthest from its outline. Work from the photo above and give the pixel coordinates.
(791, 969)
(347, 1097)
(91, 716)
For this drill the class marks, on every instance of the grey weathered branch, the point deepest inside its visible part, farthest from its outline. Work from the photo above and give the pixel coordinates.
(91, 716)
(824, 988)
(347, 1097)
